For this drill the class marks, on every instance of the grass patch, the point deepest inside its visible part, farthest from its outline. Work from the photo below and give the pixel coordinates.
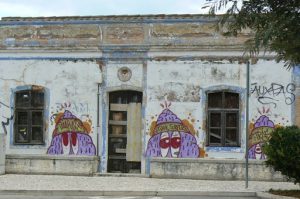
(289, 193)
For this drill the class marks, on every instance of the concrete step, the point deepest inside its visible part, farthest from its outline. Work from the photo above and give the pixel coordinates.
(122, 175)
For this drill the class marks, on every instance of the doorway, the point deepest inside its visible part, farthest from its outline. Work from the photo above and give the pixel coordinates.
(125, 132)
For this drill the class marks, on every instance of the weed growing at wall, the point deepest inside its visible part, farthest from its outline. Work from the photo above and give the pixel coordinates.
(283, 152)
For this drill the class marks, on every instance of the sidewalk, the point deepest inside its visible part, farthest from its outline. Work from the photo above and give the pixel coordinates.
(130, 185)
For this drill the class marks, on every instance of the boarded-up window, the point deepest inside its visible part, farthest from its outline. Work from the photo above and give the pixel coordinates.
(223, 119)
(29, 112)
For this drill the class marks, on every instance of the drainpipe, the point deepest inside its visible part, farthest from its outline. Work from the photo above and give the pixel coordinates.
(247, 123)
(98, 118)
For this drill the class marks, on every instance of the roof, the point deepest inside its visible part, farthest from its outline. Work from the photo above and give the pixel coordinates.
(127, 18)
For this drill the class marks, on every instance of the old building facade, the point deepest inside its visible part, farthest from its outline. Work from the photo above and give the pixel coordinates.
(163, 95)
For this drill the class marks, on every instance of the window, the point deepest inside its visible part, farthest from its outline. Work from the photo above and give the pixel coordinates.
(29, 112)
(223, 119)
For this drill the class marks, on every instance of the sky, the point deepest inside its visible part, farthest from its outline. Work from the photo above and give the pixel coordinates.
(35, 8)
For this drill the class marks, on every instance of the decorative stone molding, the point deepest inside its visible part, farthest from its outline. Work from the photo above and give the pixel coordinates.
(124, 74)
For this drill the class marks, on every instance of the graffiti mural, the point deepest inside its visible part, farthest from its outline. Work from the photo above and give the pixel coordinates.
(5, 120)
(171, 137)
(261, 133)
(70, 136)
(270, 94)
(261, 130)
(81, 110)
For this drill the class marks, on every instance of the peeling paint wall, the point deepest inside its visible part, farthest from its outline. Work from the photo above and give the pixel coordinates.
(114, 80)
(71, 86)
(50, 36)
(173, 60)
(184, 84)
(170, 32)
(192, 34)
(273, 97)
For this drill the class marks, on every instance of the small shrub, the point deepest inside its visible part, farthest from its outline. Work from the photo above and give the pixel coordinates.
(283, 152)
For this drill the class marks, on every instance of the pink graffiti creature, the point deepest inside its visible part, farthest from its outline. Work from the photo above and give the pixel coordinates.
(172, 139)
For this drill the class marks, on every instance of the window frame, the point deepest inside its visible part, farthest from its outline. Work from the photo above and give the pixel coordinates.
(223, 111)
(29, 108)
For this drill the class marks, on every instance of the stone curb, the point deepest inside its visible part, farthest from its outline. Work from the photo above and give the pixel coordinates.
(264, 195)
(124, 193)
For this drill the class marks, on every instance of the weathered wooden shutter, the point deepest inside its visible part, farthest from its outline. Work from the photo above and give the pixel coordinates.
(134, 132)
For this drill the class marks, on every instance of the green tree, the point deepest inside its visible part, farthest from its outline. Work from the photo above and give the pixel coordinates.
(275, 24)
(283, 152)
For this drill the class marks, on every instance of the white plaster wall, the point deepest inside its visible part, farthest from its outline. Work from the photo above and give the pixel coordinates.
(272, 101)
(180, 82)
(201, 73)
(71, 85)
(112, 80)
(183, 82)
(264, 73)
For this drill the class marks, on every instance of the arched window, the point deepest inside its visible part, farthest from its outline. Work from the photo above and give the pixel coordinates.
(29, 114)
(223, 118)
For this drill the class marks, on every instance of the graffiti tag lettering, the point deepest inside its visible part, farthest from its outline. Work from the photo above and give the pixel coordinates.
(171, 127)
(7, 119)
(270, 94)
(70, 125)
(74, 107)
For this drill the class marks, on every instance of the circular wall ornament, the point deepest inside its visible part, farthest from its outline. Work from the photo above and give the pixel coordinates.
(124, 74)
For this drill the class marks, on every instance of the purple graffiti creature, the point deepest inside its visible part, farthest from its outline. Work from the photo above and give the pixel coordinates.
(167, 116)
(263, 121)
(72, 143)
(173, 144)
(255, 151)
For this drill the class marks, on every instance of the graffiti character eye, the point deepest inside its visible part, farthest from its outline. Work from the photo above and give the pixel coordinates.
(175, 142)
(164, 143)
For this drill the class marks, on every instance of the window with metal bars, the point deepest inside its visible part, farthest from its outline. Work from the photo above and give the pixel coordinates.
(223, 119)
(29, 113)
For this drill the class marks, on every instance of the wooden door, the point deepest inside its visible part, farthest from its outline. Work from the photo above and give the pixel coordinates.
(125, 133)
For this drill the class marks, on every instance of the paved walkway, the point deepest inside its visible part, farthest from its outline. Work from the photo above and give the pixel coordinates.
(14, 182)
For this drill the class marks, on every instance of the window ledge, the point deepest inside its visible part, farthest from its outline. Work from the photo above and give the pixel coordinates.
(224, 149)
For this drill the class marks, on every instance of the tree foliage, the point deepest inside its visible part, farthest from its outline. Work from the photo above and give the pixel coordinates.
(283, 152)
(275, 23)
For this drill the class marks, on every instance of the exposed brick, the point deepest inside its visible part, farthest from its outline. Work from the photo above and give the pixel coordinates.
(124, 34)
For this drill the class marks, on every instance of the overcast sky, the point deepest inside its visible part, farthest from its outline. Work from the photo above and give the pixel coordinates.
(33, 8)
